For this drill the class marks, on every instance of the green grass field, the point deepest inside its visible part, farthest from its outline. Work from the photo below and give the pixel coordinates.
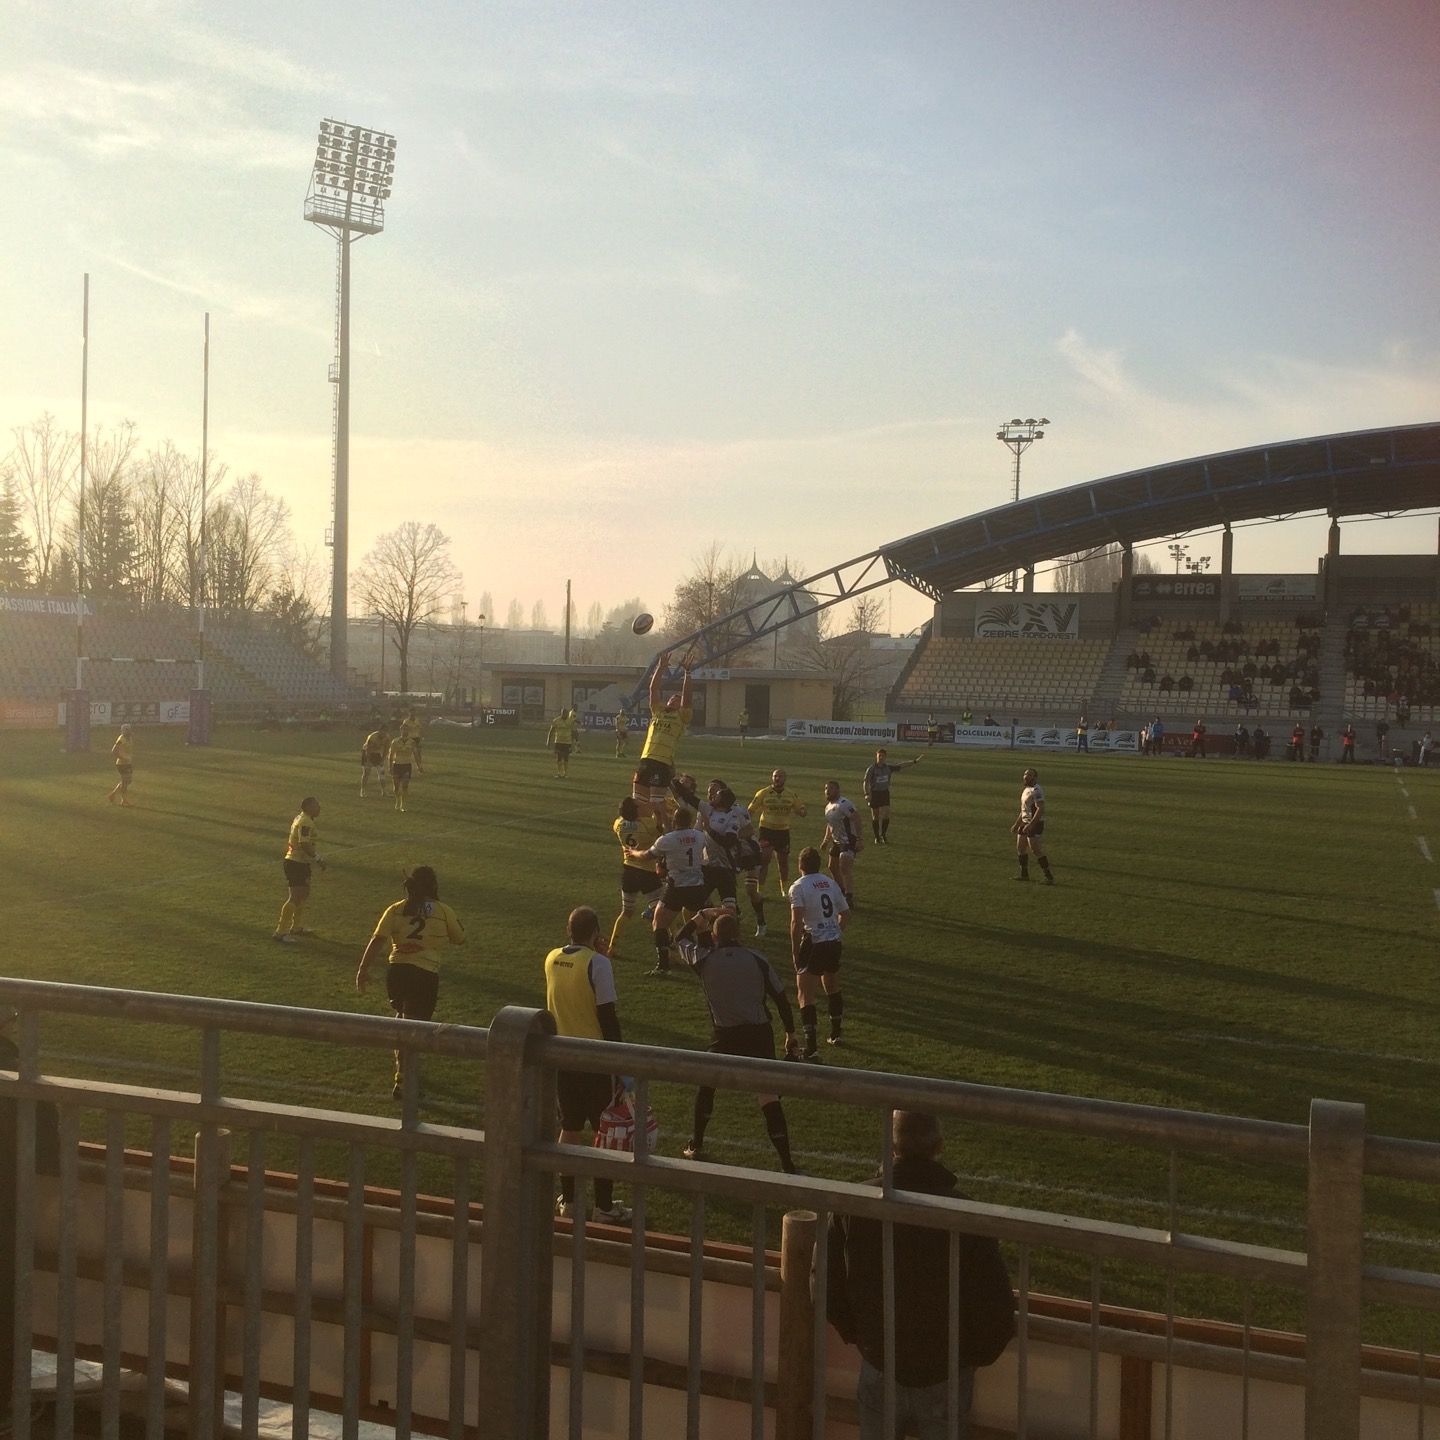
(1224, 936)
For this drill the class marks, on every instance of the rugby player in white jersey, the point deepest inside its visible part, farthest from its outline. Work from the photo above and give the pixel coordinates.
(1030, 826)
(818, 912)
(681, 852)
(842, 838)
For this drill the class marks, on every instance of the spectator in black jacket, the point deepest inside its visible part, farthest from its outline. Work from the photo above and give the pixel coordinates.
(923, 1343)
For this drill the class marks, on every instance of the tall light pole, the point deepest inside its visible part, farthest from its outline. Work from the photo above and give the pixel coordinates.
(350, 182)
(1018, 436)
(1178, 553)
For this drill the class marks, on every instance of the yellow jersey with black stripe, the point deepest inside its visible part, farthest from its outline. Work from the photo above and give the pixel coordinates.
(773, 809)
(664, 733)
(578, 981)
(124, 750)
(303, 839)
(376, 743)
(562, 730)
(402, 750)
(417, 938)
(638, 834)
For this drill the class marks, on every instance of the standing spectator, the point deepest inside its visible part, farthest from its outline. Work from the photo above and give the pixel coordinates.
(1157, 736)
(1242, 741)
(855, 1298)
(580, 994)
(1197, 739)
(1423, 750)
(1082, 735)
(1316, 736)
(737, 983)
(1347, 745)
(1260, 742)
(1382, 737)
(932, 730)
(1145, 738)
(1402, 710)
(1297, 743)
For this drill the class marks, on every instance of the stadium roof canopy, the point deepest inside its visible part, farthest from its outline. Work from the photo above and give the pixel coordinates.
(1364, 472)
(1361, 472)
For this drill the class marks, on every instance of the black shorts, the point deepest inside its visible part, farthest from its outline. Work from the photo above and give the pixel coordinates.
(634, 881)
(836, 851)
(756, 1041)
(373, 759)
(776, 840)
(412, 991)
(720, 879)
(581, 1099)
(562, 752)
(125, 771)
(684, 897)
(657, 774)
(879, 799)
(297, 873)
(818, 957)
(400, 772)
(1035, 831)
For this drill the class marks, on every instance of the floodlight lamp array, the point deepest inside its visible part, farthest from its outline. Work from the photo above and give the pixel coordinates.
(350, 159)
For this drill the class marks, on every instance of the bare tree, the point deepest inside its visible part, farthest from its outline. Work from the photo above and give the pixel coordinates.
(867, 615)
(405, 579)
(247, 540)
(159, 477)
(594, 618)
(846, 659)
(294, 605)
(44, 464)
(1091, 571)
(103, 508)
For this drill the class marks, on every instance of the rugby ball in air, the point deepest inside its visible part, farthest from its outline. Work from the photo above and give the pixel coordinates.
(643, 624)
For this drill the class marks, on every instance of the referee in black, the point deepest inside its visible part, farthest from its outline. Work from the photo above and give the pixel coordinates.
(737, 982)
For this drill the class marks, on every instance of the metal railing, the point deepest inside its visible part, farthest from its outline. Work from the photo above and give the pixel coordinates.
(527, 1348)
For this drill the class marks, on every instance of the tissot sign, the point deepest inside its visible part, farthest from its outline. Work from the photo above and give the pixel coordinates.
(1175, 587)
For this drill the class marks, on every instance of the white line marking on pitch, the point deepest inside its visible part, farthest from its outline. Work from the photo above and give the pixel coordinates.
(1424, 848)
(1437, 899)
(1310, 1049)
(1410, 810)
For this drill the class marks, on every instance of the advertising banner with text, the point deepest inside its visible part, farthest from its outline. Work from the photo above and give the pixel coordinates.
(985, 737)
(1170, 589)
(839, 730)
(1276, 587)
(42, 605)
(1012, 619)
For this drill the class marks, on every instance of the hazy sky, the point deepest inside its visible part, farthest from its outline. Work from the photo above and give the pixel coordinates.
(763, 274)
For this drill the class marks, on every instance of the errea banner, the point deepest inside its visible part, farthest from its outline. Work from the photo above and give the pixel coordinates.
(837, 730)
(1166, 589)
(1027, 620)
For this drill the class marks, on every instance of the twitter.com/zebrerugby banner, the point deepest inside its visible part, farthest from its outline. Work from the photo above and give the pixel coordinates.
(982, 737)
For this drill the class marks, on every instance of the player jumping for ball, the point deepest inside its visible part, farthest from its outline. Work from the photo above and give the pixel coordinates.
(668, 721)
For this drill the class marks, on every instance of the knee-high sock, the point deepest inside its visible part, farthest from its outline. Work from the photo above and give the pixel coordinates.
(662, 949)
(287, 918)
(807, 1023)
(297, 913)
(1044, 863)
(837, 1010)
(779, 1132)
(1024, 864)
(615, 930)
(885, 826)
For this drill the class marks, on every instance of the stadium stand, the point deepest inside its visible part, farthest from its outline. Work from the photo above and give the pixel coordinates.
(1241, 668)
(1392, 663)
(1011, 675)
(153, 659)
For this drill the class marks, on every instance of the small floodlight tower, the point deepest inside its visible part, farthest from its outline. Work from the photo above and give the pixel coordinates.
(1018, 436)
(349, 185)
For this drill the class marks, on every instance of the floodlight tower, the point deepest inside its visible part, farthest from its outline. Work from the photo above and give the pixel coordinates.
(351, 180)
(1018, 436)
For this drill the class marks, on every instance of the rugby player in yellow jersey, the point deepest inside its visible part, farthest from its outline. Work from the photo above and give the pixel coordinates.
(580, 995)
(300, 855)
(401, 759)
(668, 720)
(561, 739)
(638, 877)
(416, 929)
(410, 728)
(772, 809)
(372, 760)
(622, 733)
(124, 752)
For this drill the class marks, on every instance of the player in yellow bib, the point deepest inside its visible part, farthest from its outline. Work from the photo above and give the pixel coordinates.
(622, 733)
(300, 855)
(416, 929)
(402, 758)
(124, 752)
(772, 810)
(561, 739)
(669, 720)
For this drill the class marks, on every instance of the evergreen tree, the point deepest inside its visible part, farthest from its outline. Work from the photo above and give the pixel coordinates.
(15, 554)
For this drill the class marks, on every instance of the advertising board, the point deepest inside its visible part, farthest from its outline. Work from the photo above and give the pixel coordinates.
(1277, 587)
(839, 730)
(1011, 619)
(920, 733)
(1169, 589)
